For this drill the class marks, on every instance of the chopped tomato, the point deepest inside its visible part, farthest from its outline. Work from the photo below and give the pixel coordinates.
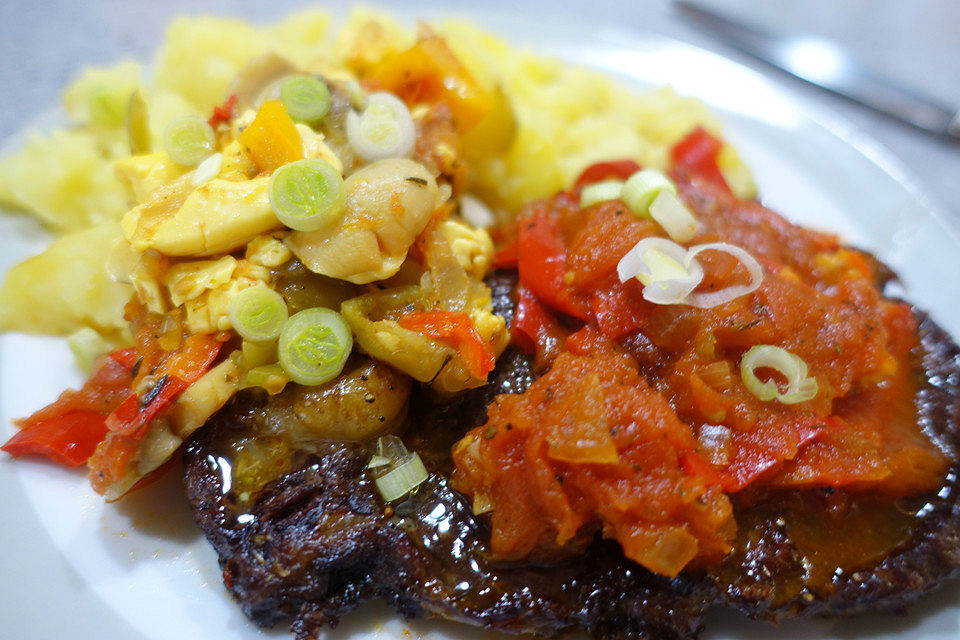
(68, 439)
(456, 329)
(615, 170)
(591, 443)
(697, 153)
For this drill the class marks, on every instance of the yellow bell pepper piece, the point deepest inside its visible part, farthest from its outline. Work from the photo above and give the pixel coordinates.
(272, 139)
(429, 72)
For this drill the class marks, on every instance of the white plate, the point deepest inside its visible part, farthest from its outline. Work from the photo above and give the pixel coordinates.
(75, 567)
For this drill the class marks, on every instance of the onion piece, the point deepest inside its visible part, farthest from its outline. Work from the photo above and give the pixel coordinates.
(674, 217)
(600, 192)
(668, 272)
(715, 298)
(800, 387)
(207, 170)
(385, 129)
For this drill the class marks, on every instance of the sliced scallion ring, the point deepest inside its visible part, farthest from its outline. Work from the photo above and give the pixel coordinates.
(270, 377)
(314, 346)
(258, 314)
(307, 98)
(711, 299)
(383, 130)
(800, 387)
(402, 479)
(189, 140)
(600, 192)
(307, 195)
(674, 217)
(641, 188)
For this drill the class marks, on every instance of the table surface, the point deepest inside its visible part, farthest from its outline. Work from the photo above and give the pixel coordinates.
(44, 43)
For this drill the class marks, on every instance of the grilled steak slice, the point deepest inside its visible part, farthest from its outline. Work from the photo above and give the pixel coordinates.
(318, 542)
(766, 576)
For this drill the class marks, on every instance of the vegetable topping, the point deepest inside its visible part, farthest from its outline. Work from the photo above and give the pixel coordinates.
(383, 130)
(189, 140)
(307, 195)
(800, 387)
(258, 314)
(307, 98)
(314, 346)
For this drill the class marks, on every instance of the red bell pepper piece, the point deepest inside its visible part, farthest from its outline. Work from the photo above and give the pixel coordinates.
(456, 329)
(181, 369)
(542, 263)
(126, 358)
(134, 414)
(68, 439)
(506, 257)
(615, 170)
(69, 429)
(531, 321)
(697, 153)
(223, 112)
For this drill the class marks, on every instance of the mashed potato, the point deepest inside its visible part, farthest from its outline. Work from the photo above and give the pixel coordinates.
(567, 119)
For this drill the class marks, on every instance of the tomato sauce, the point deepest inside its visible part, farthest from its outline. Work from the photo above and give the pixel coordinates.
(642, 427)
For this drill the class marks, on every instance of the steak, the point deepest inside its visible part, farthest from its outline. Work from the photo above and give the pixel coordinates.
(317, 541)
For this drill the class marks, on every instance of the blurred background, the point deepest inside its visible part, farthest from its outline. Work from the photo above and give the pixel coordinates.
(44, 43)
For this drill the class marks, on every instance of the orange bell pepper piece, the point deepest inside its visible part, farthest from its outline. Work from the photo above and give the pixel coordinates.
(429, 72)
(272, 139)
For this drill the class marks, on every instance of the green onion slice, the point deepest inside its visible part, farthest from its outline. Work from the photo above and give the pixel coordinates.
(642, 188)
(258, 314)
(314, 346)
(674, 217)
(800, 387)
(270, 377)
(384, 129)
(307, 195)
(402, 479)
(189, 140)
(600, 192)
(307, 98)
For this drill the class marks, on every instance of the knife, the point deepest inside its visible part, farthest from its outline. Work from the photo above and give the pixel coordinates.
(826, 65)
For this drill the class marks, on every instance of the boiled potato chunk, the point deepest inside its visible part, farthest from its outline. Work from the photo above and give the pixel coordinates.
(66, 287)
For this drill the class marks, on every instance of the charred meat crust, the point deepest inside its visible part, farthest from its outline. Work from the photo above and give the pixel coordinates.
(319, 542)
(929, 557)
